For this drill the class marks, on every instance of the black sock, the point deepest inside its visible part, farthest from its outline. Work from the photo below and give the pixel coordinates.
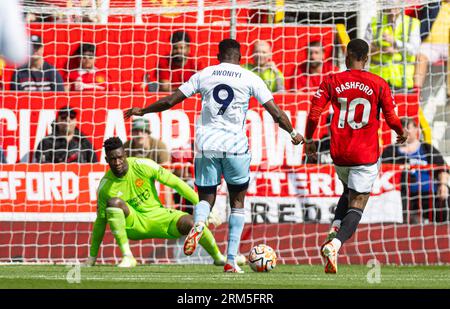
(342, 206)
(349, 224)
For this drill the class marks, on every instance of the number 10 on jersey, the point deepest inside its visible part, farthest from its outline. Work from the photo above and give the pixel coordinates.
(351, 109)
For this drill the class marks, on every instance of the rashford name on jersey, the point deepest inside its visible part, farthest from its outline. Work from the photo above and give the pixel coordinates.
(354, 85)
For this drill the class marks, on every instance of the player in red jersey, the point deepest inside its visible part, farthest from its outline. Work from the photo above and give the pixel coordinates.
(357, 96)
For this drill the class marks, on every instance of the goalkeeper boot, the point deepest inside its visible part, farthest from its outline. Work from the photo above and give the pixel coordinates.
(240, 260)
(220, 261)
(232, 268)
(128, 262)
(192, 239)
(329, 252)
(331, 235)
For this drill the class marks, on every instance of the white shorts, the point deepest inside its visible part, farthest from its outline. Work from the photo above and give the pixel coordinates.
(359, 178)
(434, 52)
(209, 168)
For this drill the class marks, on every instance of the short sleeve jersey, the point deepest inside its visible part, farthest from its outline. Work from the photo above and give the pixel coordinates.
(226, 90)
(357, 98)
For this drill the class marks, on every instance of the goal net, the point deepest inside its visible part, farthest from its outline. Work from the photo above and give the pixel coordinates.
(94, 59)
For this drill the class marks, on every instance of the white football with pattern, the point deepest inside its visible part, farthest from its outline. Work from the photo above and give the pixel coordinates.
(262, 258)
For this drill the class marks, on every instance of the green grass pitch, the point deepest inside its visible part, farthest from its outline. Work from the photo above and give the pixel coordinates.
(212, 277)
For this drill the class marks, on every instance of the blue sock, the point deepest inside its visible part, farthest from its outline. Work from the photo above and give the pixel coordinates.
(201, 212)
(236, 225)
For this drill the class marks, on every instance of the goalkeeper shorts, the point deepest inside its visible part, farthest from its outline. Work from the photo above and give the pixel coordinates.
(159, 222)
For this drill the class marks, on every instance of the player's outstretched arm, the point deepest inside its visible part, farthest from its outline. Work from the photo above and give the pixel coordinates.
(167, 178)
(282, 119)
(318, 103)
(311, 125)
(162, 104)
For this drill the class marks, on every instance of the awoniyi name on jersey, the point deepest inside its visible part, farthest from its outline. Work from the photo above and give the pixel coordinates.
(226, 73)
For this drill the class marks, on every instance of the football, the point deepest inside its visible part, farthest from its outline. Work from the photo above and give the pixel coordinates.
(262, 258)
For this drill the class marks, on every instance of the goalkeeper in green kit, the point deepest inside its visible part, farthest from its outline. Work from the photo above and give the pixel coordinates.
(128, 201)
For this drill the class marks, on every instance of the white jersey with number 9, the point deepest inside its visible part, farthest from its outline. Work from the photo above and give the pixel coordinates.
(225, 89)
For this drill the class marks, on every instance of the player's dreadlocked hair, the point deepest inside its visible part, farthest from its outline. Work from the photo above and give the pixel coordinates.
(112, 143)
(358, 48)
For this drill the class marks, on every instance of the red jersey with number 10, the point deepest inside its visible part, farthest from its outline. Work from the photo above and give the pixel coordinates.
(357, 98)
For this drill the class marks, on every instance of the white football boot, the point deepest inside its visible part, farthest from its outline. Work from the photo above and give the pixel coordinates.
(329, 252)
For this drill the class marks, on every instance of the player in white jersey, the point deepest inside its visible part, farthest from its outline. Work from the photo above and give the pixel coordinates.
(221, 144)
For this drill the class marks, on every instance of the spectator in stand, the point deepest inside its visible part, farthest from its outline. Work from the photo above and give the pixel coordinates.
(427, 14)
(2, 156)
(386, 34)
(66, 144)
(312, 72)
(435, 46)
(143, 145)
(83, 75)
(37, 74)
(175, 69)
(425, 192)
(264, 67)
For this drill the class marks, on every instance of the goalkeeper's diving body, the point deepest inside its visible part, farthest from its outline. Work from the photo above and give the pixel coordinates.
(127, 200)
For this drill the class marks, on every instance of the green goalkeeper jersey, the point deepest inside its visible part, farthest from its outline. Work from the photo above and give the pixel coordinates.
(137, 188)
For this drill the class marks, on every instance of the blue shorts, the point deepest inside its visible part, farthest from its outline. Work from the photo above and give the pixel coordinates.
(210, 166)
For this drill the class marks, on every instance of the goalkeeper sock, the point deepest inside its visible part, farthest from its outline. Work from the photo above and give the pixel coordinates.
(116, 220)
(209, 244)
(349, 224)
(236, 225)
(201, 212)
